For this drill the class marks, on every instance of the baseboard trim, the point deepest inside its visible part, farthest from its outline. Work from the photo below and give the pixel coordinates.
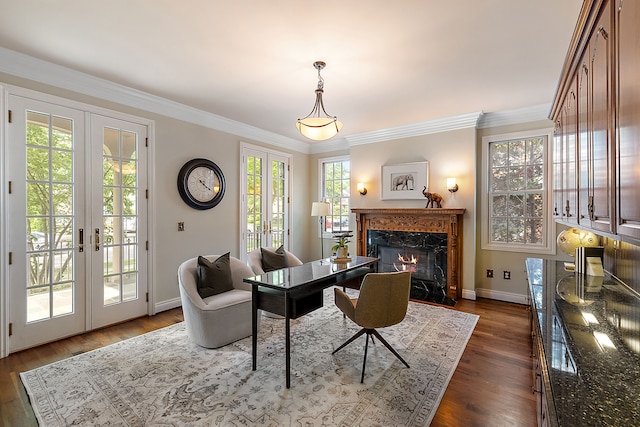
(469, 294)
(501, 296)
(167, 305)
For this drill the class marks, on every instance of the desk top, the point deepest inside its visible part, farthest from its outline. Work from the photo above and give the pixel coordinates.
(308, 273)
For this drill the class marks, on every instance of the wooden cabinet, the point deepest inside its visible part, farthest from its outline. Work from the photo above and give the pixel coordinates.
(595, 127)
(597, 112)
(540, 382)
(628, 118)
(565, 156)
(570, 131)
(558, 170)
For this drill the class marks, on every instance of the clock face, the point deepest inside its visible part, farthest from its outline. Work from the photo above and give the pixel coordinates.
(201, 184)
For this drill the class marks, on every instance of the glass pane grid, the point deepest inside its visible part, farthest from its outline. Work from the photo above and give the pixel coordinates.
(517, 191)
(49, 199)
(120, 223)
(337, 189)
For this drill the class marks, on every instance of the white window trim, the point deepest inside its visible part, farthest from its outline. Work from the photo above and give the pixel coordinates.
(321, 196)
(549, 246)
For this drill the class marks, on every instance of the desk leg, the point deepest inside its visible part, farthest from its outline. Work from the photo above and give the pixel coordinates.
(287, 316)
(254, 325)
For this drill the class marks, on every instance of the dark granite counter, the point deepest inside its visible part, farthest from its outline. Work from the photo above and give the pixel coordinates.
(590, 333)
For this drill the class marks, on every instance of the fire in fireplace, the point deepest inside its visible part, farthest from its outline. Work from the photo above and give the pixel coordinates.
(408, 264)
(424, 254)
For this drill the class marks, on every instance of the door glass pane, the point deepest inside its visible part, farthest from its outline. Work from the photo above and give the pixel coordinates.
(49, 208)
(120, 199)
(254, 203)
(278, 203)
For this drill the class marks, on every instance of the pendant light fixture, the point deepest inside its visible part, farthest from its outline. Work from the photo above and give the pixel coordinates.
(318, 125)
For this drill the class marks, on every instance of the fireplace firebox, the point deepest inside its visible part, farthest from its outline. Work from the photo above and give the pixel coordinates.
(424, 254)
(428, 242)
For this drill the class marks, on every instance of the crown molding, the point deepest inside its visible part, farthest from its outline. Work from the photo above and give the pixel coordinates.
(516, 116)
(446, 124)
(25, 66)
(28, 67)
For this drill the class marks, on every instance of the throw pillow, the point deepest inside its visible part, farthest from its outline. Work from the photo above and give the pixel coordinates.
(274, 260)
(214, 277)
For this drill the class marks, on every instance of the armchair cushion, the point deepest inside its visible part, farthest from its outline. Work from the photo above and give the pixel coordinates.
(274, 260)
(214, 277)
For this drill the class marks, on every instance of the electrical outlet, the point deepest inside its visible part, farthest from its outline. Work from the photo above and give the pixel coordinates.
(507, 275)
(181, 226)
(490, 274)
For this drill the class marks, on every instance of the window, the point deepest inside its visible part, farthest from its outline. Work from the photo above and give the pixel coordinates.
(336, 189)
(516, 193)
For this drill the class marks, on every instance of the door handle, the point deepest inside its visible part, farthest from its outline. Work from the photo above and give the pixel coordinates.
(97, 239)
(81, 240)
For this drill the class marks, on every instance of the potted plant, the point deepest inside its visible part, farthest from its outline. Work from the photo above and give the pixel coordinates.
(341, 249)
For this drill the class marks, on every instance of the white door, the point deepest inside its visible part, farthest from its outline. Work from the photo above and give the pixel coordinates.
(265, 200)
(118, 218)
(45, 168)
(77, 221)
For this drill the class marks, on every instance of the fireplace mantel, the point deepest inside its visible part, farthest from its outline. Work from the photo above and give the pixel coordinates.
(428, 220)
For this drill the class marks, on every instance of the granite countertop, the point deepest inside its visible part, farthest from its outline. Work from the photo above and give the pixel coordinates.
(590, 332)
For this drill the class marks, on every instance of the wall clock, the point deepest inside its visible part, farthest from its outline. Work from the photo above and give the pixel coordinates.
(201, 184)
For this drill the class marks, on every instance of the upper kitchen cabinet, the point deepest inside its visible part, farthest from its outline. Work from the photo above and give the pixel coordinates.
(628, 117)
(600, 125)
(601, 72)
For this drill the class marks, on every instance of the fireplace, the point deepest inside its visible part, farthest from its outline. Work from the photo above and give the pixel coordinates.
(424, 254)
(426, 242)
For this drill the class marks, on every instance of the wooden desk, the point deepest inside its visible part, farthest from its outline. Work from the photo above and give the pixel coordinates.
(295, 291)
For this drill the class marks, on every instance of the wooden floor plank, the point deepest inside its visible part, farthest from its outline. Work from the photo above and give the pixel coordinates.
(490, 387)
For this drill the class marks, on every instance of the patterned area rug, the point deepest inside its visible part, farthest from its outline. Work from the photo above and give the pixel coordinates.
(162, 378)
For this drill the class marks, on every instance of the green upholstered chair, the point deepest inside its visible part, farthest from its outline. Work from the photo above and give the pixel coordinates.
(382, 302)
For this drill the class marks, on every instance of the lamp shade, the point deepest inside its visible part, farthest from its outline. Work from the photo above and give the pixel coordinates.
(320, 209)
(319, 128)
(572, 238)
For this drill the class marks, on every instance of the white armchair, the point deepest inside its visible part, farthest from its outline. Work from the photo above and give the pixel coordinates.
(254, 259)
(219, 319)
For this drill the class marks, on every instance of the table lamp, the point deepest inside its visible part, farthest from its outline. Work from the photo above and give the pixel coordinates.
(321, 209)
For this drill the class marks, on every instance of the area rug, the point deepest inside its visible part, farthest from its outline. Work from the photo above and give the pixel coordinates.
(163, 379)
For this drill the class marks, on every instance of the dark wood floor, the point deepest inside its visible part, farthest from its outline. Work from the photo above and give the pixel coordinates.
(490, 387)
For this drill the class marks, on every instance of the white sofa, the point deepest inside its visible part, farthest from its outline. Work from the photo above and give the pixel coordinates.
(219, 319)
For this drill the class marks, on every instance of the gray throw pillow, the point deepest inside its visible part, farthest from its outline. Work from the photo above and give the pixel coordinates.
(274, 260)
(214, 277)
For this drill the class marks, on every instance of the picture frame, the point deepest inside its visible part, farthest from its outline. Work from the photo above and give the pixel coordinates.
(404, 181)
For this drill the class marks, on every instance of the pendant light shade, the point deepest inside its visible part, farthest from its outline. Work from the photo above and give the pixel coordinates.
(318, 125)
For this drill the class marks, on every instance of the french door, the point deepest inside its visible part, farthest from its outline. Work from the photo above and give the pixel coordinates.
(118, 219)
(265, 199)
(74, 209)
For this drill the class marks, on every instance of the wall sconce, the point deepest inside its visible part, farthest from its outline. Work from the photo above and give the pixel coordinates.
(451, 185)
(361, 188)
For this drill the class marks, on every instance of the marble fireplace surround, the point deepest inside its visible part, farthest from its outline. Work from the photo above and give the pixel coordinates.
(426, 220)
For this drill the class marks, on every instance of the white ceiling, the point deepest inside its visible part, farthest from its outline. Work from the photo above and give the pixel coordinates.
(389, 64)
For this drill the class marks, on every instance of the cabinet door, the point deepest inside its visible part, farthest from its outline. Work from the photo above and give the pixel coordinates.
(584, 142)
(570, 131)
(558, 170)
(628, 97)
(601, 153)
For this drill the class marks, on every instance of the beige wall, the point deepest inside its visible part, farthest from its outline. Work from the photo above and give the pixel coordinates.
(450, 154)
(514, 289)
(213, 231)
(453, 153)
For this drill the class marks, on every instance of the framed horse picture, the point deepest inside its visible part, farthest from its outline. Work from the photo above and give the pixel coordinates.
(404, 181)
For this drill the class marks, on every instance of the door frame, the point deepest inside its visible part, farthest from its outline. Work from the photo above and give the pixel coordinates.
(5, 91)
(244, 146)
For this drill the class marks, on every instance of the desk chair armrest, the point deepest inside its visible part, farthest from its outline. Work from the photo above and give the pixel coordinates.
(345, 304)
